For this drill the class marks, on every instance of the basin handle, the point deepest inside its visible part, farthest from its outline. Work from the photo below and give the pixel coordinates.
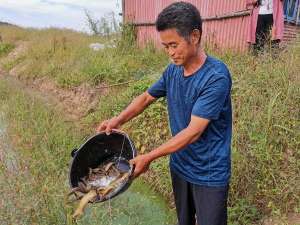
(74, 152)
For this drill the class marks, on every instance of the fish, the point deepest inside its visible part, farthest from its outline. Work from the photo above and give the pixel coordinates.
(92, 188)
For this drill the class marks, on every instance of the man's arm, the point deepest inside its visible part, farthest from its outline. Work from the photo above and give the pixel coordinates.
(136, 107)
(181, 140)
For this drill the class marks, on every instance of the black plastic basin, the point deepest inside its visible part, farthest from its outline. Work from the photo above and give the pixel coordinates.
(98, 149)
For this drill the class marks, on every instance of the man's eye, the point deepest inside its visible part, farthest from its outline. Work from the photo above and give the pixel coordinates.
(174, 46)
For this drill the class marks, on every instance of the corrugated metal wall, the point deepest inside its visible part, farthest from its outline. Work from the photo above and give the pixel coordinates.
(224, 21)
(291, 33)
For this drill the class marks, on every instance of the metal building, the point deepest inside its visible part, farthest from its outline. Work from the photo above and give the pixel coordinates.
(225, 22)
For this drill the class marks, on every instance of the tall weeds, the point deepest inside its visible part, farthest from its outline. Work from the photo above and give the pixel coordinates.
(265, 146)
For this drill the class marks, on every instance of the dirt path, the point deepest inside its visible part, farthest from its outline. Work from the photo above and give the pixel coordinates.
(75, 102)
(291, 219)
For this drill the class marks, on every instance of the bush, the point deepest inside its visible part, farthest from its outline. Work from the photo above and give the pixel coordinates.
(5, 48)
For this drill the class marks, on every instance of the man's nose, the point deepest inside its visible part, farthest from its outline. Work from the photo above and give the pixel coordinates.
(171, 52)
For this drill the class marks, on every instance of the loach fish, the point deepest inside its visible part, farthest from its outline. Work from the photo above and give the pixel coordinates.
(99, 182)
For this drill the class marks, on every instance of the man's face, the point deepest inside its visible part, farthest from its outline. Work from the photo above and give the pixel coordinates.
(178, 48)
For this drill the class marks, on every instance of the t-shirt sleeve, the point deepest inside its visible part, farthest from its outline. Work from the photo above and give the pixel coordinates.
(210, 102)
(159, 88)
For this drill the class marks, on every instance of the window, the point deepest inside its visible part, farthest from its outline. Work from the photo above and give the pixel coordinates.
(292, 11)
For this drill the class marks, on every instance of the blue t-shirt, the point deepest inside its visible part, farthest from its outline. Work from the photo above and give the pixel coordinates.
(205, 94)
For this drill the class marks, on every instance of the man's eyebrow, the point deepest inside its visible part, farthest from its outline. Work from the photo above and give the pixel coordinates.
(169, 43)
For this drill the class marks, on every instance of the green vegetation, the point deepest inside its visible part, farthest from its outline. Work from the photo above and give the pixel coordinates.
(65, 57)
(34, 190)
(5, 48)
(266, 138)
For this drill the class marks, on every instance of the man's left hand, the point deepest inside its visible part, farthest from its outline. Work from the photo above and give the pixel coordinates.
(141, 163)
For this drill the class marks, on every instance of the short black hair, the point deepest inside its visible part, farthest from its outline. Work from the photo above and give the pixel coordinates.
(182, 16)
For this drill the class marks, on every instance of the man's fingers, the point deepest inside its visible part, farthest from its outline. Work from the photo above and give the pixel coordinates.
(132, 161)
(108, 125)
(108, 130)
(135, 171)
(102, 126)
(118, 130)
(138, 170)
(99, 128)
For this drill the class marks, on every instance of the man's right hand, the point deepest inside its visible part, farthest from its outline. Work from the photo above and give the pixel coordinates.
(108, 125)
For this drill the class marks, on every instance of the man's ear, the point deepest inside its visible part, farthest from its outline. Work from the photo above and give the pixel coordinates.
(195, 36)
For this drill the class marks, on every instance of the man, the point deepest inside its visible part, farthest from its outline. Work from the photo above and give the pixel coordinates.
(197, 88)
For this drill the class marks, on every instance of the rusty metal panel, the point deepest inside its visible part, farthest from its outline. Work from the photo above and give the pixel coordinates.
(229, 32)
(142, 11)
(148, 34)
(291, 33)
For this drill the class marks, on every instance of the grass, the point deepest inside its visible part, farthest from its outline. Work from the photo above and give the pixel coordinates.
(265, 147)
(5, 48)
(34, 191)
(65, 57)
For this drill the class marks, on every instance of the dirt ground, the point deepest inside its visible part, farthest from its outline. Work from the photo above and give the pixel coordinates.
(291, 219)
(76, 102)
